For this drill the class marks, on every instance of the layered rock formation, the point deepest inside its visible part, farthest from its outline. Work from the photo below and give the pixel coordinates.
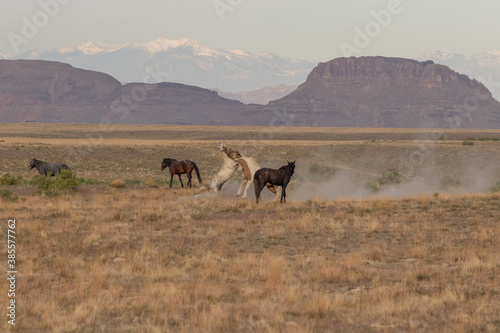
(390, 92)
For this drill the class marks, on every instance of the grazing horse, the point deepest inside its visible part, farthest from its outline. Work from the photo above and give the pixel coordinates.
(226, 170)
(249, 166)
(179, 167)
(45, 168)
(280, 177)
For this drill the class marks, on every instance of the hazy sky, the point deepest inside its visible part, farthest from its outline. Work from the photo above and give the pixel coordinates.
(317, 30)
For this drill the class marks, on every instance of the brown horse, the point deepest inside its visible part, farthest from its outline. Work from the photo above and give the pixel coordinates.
(179, 167)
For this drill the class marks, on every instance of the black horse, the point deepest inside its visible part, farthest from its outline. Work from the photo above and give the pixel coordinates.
(45, 168)
(179, 167)
(270, 177)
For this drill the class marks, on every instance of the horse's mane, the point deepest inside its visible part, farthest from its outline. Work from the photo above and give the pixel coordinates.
(285, 167)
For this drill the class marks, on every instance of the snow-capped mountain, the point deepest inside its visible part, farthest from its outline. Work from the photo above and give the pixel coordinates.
(183, 61)
(484, 67)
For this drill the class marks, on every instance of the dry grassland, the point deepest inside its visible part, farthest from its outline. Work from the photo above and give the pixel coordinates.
(137, 258)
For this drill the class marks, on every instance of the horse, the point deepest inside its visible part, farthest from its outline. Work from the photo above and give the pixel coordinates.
(269, 177)
(45, 168)
(179, 167)
(249, 166)
(226, 170)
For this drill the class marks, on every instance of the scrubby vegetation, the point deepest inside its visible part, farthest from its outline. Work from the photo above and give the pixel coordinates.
(7, 179)
(7, 195)
(53, 186)
(389, 177)
(321, 172)
(449, 182)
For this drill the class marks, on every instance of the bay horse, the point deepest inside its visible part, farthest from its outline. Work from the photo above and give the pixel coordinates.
(179, 167)
(269, 177)
(249, 167)
(45, 168)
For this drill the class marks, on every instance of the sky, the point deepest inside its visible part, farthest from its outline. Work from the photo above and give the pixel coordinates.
(315, 30)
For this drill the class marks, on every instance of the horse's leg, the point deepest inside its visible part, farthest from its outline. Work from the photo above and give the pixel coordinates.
(189, 179)
(274, 190)
(246, 189)
(180, 179)
(258, 189)
(283, 191)
(241, 187)
(283, 194)
(171, 179)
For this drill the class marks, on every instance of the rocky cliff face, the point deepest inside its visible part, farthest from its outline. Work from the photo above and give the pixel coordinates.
(391, 92)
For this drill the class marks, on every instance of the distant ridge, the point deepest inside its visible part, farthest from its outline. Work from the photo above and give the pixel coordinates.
(344, 92)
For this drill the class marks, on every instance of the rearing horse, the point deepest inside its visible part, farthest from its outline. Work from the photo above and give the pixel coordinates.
(226, 170)
(249, 166)
(179, 167)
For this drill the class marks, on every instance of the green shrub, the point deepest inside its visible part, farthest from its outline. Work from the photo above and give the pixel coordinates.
(373, 186)
(7, 179)
(7, 195)
(468, 142)
(57, 185)
(449, 181)
(321, 172)
(390, 177)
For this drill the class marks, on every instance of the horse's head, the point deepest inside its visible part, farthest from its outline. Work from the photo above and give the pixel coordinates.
(166, 163)
(232, 153)
(31, 165)
(222, 146)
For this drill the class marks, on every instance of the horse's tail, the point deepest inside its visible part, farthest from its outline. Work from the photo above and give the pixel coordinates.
(257, 185)
(197, 172)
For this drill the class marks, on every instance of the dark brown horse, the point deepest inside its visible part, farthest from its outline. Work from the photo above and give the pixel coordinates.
(179, 167)
(269, 177)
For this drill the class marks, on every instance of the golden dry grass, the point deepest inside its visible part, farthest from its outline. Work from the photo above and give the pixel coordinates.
(153, 259)
(141, 260)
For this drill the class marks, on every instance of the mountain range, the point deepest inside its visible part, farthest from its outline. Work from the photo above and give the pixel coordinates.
(236, 74)
(183, 61)
(343, 92)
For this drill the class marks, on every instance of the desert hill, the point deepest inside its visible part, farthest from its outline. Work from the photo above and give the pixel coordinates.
(45, 91)
(344, 92)
(390, 92)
